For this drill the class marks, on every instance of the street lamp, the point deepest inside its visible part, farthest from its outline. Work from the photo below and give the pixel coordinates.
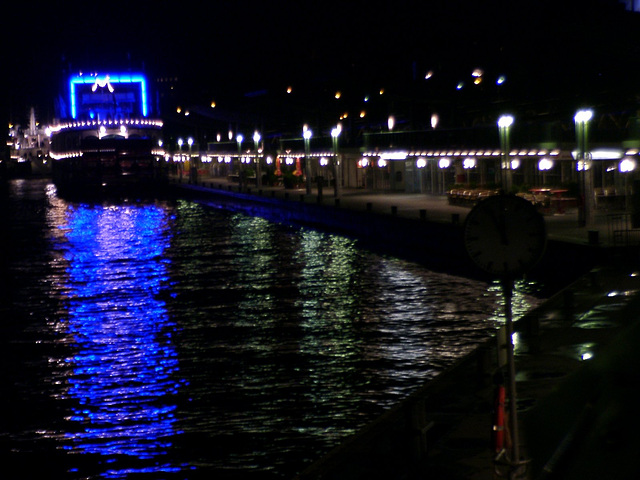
(193, 169)
(239, 139)
(626, 166)
(585, 207)
(180, 164)
(443, 164)
(191, 164)
(306, 134)
(337, 181)
(504, 126)
(256, 141)
(544, 165)
(391, 122)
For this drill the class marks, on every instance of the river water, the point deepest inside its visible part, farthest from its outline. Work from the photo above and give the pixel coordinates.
(167, 339)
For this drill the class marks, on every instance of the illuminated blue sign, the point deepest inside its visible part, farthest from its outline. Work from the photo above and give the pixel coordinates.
(108, 95)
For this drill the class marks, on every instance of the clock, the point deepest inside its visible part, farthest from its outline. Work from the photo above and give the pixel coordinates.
(505, 235)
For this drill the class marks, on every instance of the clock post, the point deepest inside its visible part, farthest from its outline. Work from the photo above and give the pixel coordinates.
(515, 462)
(505, 236)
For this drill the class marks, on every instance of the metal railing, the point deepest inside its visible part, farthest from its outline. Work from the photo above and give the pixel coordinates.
(621, 231)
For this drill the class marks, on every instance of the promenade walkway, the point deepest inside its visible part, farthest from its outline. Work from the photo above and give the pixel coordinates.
(577, 364)
(436, 208)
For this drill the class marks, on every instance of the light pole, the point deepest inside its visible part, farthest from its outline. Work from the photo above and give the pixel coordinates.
(239, 139)
(626, 166)
(504, 125)
(306, 133)
(335, 133)
(585, 208)
(181, 164)
(193, 168)
(256, 142)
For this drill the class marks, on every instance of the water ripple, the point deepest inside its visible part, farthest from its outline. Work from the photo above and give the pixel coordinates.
(170, 340)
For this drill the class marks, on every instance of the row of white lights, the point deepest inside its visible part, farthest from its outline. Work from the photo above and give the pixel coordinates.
(289, 160)
(105, 123)
(78, 153)
(545, 164)
(402, 155)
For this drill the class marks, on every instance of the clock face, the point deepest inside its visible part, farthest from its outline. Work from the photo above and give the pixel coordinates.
(505, 235)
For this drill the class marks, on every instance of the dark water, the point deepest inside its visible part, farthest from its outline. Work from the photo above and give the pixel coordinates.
(164, 339)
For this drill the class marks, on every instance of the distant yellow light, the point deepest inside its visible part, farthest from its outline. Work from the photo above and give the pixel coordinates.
(382, 91)
(289, 89)
(338, 94)
(363, 114)
(213, 104)
(179, 110)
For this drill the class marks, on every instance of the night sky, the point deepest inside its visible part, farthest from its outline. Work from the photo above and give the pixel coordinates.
(227, 47)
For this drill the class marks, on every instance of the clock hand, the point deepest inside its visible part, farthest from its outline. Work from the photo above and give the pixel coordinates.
(502, 228)
(499, 222)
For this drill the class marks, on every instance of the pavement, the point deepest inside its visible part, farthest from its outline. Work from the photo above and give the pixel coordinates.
(564, 226)
(577, 370)
(577, 380)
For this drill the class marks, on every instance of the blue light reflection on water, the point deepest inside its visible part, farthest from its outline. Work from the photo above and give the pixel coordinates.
(123, 372)
(274, 343)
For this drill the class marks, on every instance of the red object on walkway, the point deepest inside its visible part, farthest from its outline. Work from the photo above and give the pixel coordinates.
(498, 425)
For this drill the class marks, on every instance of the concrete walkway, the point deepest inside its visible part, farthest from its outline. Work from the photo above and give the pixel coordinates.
(577, 364)
(436, 208)
(577, 376)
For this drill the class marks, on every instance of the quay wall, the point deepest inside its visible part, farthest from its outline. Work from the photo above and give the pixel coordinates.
(436, 245)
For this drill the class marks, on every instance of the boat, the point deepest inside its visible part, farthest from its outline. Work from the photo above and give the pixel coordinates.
(107, 138)
(28, 150)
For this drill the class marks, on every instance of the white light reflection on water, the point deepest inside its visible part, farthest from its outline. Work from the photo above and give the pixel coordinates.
(121, 377)
(287, 340)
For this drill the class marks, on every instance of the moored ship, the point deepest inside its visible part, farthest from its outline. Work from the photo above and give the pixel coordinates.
(107, 138)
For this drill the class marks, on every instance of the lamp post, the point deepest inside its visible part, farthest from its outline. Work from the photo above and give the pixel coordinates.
(443, 164)
(306, 133)
(391, 122)
(256, 142)
(335, 133)
(180, 165)
(504, 126)
(585, 208)
(626, 166)
(239, 139)
(193, 168)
